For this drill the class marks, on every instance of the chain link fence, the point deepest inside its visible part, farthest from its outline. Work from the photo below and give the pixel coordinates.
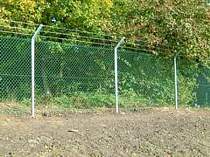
(82, 76)
(74, 75)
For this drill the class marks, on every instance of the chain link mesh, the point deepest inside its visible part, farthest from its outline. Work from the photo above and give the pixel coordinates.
(145, 79)
(15, 68)
(194, 82)
(203, 85)
(83, 75)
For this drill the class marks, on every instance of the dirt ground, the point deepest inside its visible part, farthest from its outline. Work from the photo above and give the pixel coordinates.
(152, 132)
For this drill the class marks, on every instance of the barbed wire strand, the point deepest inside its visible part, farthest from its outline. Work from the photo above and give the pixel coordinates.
(20, 22)
(74, 40)
(12, 27)
(86, 37)
(56, 27)
(3, 31)
(137, 47)
(76, 30)
(131, 44)
(58, 33)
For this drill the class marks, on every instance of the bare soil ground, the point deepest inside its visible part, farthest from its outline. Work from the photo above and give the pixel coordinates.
(153, 132)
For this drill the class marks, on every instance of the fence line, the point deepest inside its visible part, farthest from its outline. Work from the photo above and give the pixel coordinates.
(83, 76)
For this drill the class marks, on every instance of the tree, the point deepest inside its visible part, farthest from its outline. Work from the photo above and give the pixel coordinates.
(168, 26)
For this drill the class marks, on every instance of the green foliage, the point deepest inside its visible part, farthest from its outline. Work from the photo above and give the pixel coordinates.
(21, 10)
(84, 100)
(168, 27)
(187, 90)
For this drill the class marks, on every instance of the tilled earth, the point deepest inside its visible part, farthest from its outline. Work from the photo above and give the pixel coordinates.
(155, 132)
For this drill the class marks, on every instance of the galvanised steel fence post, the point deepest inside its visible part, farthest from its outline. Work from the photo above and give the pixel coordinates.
(116, 73)
(176, 81)
(33, 70)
